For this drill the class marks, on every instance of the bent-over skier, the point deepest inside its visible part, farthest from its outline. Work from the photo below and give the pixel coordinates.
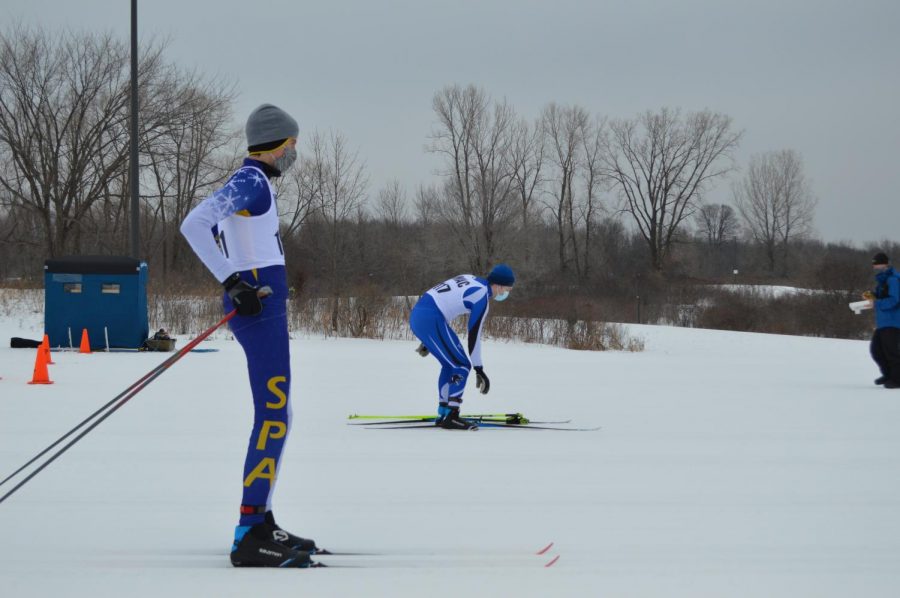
(235, 233)
(430, 322)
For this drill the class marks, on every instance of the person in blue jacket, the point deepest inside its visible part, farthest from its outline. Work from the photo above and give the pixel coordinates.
(885, 299)
(430, 322)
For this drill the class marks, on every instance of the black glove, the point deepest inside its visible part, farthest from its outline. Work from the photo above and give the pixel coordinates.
(482, 382)
(422, 350)
(244, 296)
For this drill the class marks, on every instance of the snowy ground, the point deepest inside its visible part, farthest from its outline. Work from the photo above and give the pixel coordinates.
(728, 465)
(766, 290)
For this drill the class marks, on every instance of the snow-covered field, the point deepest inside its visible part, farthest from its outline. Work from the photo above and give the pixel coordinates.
(765, 290)
(727, 465)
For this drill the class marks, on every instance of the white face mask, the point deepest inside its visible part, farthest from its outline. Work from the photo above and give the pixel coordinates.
(502, 296)
(286, 160)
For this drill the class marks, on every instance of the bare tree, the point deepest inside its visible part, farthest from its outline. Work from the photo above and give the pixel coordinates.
(494, 177)
(594, 182)
(662, 163)
(185, 155)
(63, 125)
(427, 204)
(474, 138)
(300, 191)
(526, 163)
(717, 223)
(563, 128)
(434, 242)
(21, 242)
(776, 202)
(575, 178)
(341, 178)
(453, 138)
(391, 204)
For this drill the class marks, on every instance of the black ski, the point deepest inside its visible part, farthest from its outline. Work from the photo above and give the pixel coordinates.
(488, 425)
(539, 427)
(392, 421)
(402, 559)
(321, 565)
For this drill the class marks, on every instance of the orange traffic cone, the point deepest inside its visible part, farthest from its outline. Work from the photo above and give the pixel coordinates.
(40, 369)
(45, 347)
(85, 343)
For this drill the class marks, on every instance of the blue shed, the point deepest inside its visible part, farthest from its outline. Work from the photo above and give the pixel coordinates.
(105, 294)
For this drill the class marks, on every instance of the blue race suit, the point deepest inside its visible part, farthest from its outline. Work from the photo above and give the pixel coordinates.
(236, 230)
(430, 320)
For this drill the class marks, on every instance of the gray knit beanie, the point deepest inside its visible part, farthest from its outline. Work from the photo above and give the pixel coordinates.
(269, 123)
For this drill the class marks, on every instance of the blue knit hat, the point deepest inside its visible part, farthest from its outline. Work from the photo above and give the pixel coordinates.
(502, 275)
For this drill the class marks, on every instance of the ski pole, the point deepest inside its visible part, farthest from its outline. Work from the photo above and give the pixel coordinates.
(125, 396)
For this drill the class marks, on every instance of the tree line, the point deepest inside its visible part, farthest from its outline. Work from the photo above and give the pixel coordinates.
(580, 204)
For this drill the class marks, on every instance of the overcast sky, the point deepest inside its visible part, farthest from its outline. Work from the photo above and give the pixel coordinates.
(818, 76)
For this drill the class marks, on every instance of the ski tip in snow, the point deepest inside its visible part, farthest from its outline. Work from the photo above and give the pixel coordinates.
(543, 551)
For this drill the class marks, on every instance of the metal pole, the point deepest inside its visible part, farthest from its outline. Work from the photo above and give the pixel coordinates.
(133, 167)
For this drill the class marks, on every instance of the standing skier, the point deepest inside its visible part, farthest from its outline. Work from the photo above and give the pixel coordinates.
(235, 234)
(885, 345)
(430, 322)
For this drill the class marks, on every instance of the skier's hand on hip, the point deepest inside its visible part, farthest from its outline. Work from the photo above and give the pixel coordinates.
(247, 299)
(482, 382)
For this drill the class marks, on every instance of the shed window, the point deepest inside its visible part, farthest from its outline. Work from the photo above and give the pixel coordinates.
(72, 287)
(109, 289)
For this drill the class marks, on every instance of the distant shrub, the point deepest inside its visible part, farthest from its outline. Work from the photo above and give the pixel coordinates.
(367, 315)
(370, 315)
(15, 301)
(823, 314)
(571, 334)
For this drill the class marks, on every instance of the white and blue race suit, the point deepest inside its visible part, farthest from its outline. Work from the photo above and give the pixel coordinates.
(430, 322)
(236, 230)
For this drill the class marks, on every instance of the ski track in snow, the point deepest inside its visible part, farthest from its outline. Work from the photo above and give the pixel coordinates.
(727, 465)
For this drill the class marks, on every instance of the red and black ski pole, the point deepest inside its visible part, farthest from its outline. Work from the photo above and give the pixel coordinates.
(122, 398)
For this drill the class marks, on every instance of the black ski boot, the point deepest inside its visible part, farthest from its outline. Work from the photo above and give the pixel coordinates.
(452, 421)
(288, 539)
(256, 547)
(881, 380)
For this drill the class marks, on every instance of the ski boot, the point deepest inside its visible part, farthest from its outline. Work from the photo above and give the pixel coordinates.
(255, 546)
(288, 539)
(449, 419)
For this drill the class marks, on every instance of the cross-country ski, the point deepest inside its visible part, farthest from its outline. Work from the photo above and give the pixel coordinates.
(483, 426)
